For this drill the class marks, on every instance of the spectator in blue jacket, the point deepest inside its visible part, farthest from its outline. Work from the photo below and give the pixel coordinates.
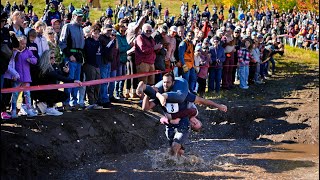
(52, 13)
(217, 59)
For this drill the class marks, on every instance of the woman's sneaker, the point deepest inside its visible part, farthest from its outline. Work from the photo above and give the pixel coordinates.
(42, 107)
(5, 116)
(31, 113)
(53, 112)
(23, 110)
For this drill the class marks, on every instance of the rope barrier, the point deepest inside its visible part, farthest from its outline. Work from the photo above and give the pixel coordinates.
(86, 83)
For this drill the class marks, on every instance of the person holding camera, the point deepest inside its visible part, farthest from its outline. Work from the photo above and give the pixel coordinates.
(50, 73)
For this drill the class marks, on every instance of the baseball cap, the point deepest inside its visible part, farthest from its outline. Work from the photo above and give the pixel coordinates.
(54, 20)
(164, 28)
(214, 38)
(173, 28)
(206, 40)
(237, 29)
(219, 31)
(260, 36)
(77, 12)
(108, 26)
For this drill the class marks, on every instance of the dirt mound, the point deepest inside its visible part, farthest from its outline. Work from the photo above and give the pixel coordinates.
(36, 147)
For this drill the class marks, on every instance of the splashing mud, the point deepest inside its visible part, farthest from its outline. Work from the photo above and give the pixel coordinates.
(161, 160)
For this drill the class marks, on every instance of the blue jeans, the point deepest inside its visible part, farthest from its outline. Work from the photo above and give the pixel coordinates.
(273, 62)
(264, 69)
(105, 70)
(74, 73)
(257, 73)
(215, 75)
(15, 96)
(82, 92)
(112, 84)
(292, 41)
(120, 84)
(191, 77)
(243, 74)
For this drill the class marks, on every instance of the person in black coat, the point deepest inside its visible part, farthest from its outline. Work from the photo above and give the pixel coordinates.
(51, 73)
(7, 39)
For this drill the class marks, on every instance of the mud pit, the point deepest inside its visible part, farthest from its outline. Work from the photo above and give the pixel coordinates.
(270, 132)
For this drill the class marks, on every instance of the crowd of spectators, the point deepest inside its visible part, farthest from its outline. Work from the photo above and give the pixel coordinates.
(204, 47)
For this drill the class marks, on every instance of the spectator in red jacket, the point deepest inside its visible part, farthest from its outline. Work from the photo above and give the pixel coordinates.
(145, 55)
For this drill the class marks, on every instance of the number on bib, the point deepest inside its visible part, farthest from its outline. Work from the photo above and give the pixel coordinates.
(172, 107)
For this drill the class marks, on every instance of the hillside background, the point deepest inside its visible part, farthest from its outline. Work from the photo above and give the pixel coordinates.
(174, 5)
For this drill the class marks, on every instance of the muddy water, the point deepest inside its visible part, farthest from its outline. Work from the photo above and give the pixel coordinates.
(210, 159)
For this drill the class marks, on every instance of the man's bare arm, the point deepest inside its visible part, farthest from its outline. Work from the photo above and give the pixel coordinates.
(207, 102)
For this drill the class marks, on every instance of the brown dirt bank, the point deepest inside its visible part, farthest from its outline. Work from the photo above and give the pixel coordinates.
(77, 144)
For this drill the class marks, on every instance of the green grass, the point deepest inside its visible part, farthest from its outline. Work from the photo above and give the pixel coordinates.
(173, 5)
(302, 56)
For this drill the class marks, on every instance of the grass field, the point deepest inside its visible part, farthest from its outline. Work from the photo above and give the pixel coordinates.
(173, 5)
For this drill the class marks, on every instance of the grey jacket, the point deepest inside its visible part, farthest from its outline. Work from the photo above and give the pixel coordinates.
(72, 37)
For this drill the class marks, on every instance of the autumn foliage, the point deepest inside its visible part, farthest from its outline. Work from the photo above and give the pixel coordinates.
(301, 5)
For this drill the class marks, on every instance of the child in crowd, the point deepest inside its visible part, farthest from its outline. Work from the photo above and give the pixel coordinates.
(205, 61)
(31, 45)
(22, 59)
(91, 68)
(244, 58)
(40, 40)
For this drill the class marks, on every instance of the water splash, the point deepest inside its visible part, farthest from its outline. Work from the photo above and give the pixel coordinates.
(161, 160)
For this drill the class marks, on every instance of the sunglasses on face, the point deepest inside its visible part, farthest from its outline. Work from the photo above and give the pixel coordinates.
(148, 31)
(52, 57)
(50, 33)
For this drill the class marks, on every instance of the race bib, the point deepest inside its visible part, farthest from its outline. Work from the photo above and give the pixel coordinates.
(172, 107)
